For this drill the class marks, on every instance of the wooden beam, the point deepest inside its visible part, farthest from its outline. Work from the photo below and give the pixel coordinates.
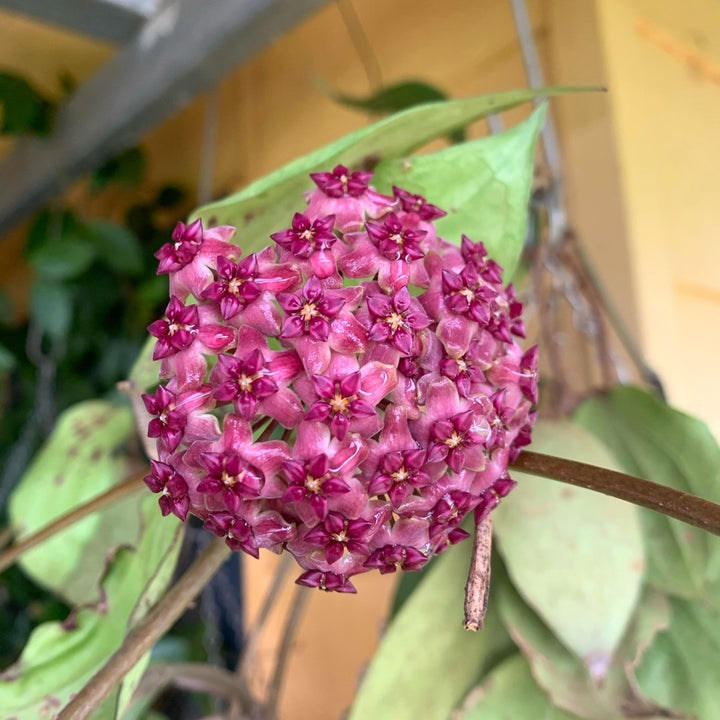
(114, 20)
(183, 49)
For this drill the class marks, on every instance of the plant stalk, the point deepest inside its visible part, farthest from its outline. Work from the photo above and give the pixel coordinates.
(691, 509)
(302, 595)
(478, 582)
(127, 487)
(147, 632)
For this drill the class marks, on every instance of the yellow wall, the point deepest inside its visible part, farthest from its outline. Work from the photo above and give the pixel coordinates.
(663, 68)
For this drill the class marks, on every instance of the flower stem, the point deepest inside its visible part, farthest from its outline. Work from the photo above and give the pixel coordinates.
(197, 677)
(302, 595)
(123, 489)
(478, 582)
(146, 633)
(691, 509)
(248, 658)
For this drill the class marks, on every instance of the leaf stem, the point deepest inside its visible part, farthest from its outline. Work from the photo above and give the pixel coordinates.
(123, 489)
(147, 632)
(691, 509)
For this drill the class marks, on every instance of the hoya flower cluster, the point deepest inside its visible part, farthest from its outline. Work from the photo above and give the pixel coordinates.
(349, 394)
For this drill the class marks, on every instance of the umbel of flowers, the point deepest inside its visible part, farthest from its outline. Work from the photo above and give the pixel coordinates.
(348, 394)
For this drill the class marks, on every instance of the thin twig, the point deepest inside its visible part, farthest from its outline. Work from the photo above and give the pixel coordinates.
(195, 677)
(691, 509)
(478, 582)
(302, 595)
(617, 323)
(359, 38)
(568, 253)
(147, 632)
(123, 489)
(560, 392)
(247, 659)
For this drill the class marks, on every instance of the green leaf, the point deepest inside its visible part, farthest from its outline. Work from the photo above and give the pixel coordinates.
(406, 585)
(569, 683)
(510, 692)
(126, 168)
(145, 372)
(657, 442)
(7, 360)
(397, 97)
(79, 461)
(484, 186)
(680, 670)
(51, 305)
(60, 658)
(63, 258)
(116, 246)
(555, 668)
(426, 661)
(24, 110)
(170, 196)
(576, 556)
(393, 98)
(50, 225)
(152, 591)
(269, 203)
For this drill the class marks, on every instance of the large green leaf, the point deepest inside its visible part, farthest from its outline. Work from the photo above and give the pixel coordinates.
(268, 203)
(570, 684)
(575, 556)
(62, 258)
(655, 441)
(510, 692)
(59, 658)
(681, 668)
(484, 186)
(80, 460)
(426, 661)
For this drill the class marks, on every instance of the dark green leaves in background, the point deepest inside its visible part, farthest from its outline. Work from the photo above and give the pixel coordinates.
(23, 109)
(126, 169)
